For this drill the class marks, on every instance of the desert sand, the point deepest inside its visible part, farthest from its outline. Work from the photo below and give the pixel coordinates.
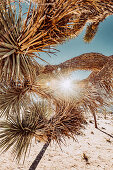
(91, 151)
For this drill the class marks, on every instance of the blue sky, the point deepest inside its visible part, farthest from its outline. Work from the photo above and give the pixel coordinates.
(102, 43)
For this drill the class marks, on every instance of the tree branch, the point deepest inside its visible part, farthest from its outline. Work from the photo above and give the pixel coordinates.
(87, 61)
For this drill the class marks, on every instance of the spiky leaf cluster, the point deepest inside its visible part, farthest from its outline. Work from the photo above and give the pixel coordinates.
(19, 129)
(13, 96)
(15, 64)
(91, 31)
(22, 38)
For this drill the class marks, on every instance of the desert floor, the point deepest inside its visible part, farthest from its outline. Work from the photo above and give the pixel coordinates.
(95, 145)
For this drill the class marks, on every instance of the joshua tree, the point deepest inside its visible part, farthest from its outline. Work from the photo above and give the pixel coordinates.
(30, 107)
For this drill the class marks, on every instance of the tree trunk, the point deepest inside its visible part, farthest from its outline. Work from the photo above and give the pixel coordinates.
(39, 157)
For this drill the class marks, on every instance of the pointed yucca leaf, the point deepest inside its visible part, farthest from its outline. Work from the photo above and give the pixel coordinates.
(17, 94)
(7, 54)
(12, 97)
(6, 45)
(18, 130)
(49, 16)
(47, 24)
(14, 133)
(91, 31)
(66, 122)
(14, 63)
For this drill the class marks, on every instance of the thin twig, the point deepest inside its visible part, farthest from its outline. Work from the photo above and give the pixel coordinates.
(105, 132)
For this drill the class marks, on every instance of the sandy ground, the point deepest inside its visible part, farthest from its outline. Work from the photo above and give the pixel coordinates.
(95, 145)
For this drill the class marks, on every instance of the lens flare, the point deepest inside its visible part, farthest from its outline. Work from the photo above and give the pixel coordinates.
(65, 88)
(48, 84)
(65, 84)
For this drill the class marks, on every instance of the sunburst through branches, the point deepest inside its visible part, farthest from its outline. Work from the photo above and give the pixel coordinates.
(42, 101)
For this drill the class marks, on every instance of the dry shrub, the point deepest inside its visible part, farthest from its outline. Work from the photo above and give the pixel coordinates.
(19, 129)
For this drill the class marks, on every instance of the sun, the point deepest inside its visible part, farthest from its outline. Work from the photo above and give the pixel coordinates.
(65, 84)
(65, 88)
